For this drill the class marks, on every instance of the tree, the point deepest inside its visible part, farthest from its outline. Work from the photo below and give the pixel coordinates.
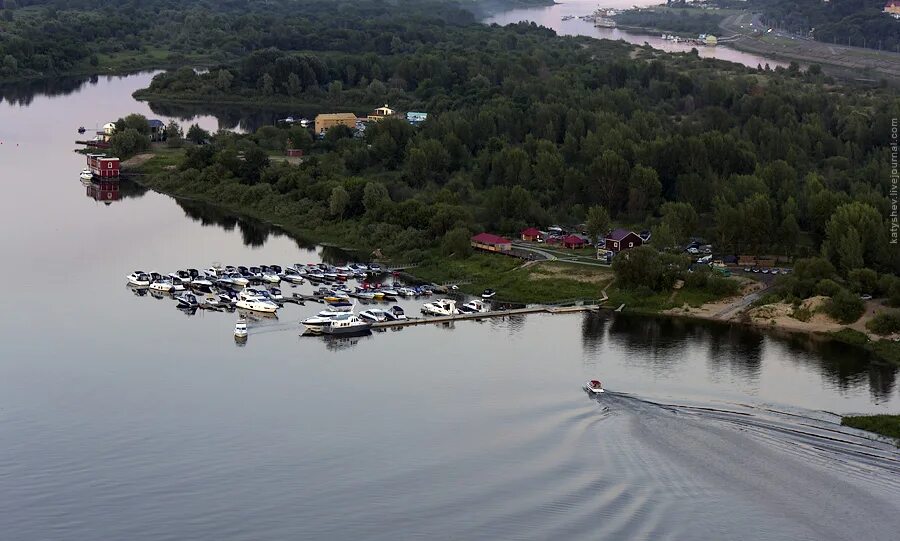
(134, 122)
(644, 191)
(300, 138)
(681, 220)
(645, 267)
(855, 237)
(610, 172)
(845, 307)
(224, 80)
(293, 86)
(375, 196)
(127, 143)
(597, 222)
(338, 201)
(456, 243)
(197, 135)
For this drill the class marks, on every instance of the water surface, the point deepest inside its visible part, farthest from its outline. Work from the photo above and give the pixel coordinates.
(123, 418)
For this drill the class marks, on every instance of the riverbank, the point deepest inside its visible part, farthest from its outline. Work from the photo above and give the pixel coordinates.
(885, 425)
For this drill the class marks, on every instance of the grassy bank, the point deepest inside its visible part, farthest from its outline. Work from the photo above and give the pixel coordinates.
(886, 425)
(885, 350)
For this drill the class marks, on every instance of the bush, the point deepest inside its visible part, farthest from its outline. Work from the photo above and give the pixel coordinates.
(863, 281)
(845, 307)
(885, 323)
(456, 243)
(827, 287)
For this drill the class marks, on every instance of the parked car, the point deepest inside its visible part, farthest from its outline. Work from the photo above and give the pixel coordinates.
(693, 250)
(746, 269)
(865, 297)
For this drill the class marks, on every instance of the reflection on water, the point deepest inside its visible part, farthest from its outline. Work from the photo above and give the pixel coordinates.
(664, 344)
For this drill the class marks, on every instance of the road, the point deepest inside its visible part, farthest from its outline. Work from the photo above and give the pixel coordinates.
(855, 63)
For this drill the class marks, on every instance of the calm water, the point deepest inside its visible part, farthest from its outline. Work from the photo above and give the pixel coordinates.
(123, 418)
(551, 17)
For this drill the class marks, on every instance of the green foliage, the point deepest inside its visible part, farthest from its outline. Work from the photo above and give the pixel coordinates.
(886, 322)
(850, 336)
(645, 267)
(845, 307)
(597, 222)
(197, 135)
(128, 142)
(683, 21)
(886, 425)
(456, 243)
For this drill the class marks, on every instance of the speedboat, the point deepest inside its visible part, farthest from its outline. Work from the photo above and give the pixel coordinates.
(488, 293)
(162, 285)
(187, 300)
(332, 311)
(407, 292)
(395, 313)
(256, 303)
(373, 315)
(440, 307)
(275, 294)
(594, 386)
(390, 292)
(86, 174)
(474, 307)
(346, 325)
(270, 277)
(203, 286)
(238, 279)
(292, 276)
(139, 279)
(240, 329)
(316, 323)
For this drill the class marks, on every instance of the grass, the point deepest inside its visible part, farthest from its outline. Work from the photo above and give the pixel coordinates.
(543, 282)
(163, 158)
(884, 350)
(886, 425)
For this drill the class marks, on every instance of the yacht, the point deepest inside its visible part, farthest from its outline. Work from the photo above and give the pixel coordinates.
(139, 278)
(373, 315)
(474, 307)
(163, 285)
(440, 307)
(316, 323)
(395, 313)
(256, 303)
(202, 286)
(86, 174)
(346, 325)
(270, 277)
(292, 276)
(240, 329)
(187, 300)
(238, 279)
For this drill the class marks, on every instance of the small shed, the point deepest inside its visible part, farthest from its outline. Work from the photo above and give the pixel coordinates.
(622, 239)
(574, 241)
(531, 234)
(491, 243)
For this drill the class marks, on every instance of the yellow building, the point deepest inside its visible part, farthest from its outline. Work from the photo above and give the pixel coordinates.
(381, 113)
(711, 40)
(326, 121)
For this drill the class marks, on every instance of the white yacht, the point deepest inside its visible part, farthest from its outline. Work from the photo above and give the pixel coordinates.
(166, 286)
(240, 329)
(86, 174)
(373, 315)
(440, 307)
(346, 325)
(256, 303)
(475, 306)
(139, 278)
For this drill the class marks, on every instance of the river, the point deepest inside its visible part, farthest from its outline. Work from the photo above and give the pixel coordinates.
(123, 418)
(551, 17)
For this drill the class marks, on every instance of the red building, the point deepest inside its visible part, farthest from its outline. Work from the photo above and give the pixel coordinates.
(103, 166)
(622, 239)
(491, 243)
(574, 241)
(531, 234)
(104, 190)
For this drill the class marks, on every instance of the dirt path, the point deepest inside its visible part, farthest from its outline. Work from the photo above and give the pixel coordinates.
(137, 160)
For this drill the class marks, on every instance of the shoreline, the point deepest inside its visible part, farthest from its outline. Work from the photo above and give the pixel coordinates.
(740, 304)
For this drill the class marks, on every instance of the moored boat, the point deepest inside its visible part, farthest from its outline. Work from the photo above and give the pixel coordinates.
(139, 279)
(440, 307)
(346, 325)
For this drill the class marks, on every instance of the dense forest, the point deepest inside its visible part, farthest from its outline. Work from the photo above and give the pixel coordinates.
(682, 21)
(529, 128)
(858, 22)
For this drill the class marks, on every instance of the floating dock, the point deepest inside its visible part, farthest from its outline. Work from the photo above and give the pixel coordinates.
(486, 315)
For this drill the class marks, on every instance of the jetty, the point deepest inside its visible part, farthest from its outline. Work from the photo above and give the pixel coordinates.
(487, 315)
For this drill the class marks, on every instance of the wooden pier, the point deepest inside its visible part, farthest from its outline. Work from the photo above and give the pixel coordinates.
(486, 315)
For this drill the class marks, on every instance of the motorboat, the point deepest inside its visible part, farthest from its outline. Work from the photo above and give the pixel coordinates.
(237, 279)
(366, 295)
(346, 325)
(331, 312)
(257, 304)
(194, 274)
(390, 292)
(395, 313)
(316, 323)
(406, 292)
(202, 286)
(373, 315)
(292, 276)
(276, 294)
(240, 329)
(270, 277)
(187, 300)
(594, 386)
(275, 268)
(214, 273)
(488, 293)
(81, 129)
(139, 279)
(86, 174)
(440, 307)
(474, 307)
(165, 286)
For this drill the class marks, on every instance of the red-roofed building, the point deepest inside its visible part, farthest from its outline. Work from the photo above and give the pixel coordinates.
(574, 241)
(531, 234)
(491, 243)
(622, 239)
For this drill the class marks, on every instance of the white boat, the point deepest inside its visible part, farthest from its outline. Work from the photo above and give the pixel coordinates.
(165, 286)
(407, 292)
(271, 278)
(346, 325)
(331, 312)
(86, 174)
(395, 313)
(237, 279)
(440, 307)
(316, 323)
(240, 329)
(187, 300)
(275, 294)
(257, 304)
(594, 386)
(488, 293)
(139, 278)
(475, 306)
(203, 286)
(373, 315)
